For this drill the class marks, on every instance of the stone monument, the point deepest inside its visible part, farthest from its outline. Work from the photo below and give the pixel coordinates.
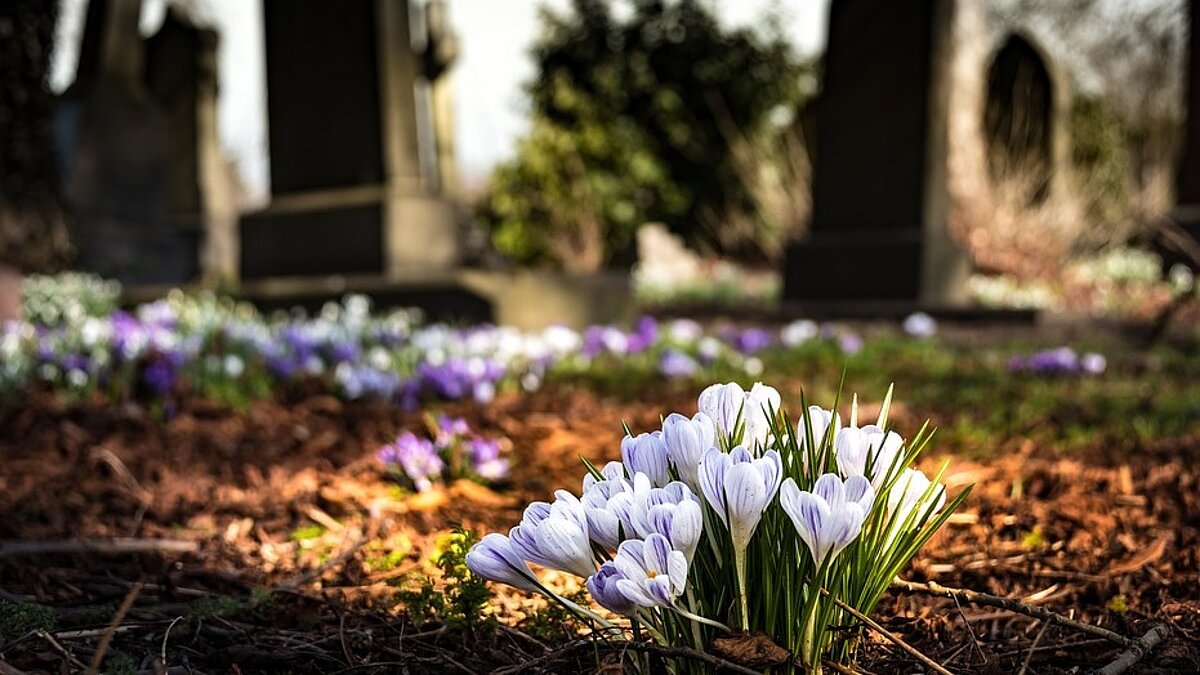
(136, 134)
(1187, 186)
(880, 201)
(354, 189)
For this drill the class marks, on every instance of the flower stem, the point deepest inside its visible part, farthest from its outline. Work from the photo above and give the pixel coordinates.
(739, 562)
(699, 619)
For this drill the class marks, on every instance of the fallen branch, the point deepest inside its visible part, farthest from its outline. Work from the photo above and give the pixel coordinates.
(1136, 651)
(621, 646)
(975, 597)
(102, 546)
(892, 637)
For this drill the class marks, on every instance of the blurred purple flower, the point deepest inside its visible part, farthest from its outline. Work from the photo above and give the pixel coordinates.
(753, 340)
(675, 364)
(850, 343)
(416, 457)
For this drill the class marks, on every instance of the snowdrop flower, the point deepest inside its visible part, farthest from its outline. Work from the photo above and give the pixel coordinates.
(494, 558)
(687, 440)
(867, 451)
(739, 488)
(920, 325)
(653, 573)
(555, 535)
(831, 516)
(646, 453)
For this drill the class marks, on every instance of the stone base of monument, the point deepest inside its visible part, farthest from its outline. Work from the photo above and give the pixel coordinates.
(900, 269)
(524, 299)
(534, 300)
(133, 255)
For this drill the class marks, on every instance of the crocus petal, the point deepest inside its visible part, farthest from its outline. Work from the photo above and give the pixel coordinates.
(494, 558)
(746, 497)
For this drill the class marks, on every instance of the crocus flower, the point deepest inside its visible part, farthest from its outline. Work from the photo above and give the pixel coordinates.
(1093, 363)
(680, 522)
(831, 516)
(604, 525)
(416, 457)
(687, 440)
(739, 488)
(724, 403)
(603, 587)
(752, 341)
(850, 343)
(867, 451)
(555, 535)
(817, 426)
(612, 471)
(646, 453)
(675, 364)
(908, 493)
(494, 558)
(653, 573)
(920, 325)
(797, 333)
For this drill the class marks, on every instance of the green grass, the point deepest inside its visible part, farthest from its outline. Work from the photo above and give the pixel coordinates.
(968, 393)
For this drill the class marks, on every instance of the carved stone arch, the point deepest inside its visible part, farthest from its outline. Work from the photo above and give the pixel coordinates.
(1023, 120)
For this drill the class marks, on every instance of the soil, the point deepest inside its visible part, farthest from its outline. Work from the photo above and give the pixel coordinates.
(287, 496)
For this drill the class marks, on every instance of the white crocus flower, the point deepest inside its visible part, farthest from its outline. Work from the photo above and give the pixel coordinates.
(687, 440)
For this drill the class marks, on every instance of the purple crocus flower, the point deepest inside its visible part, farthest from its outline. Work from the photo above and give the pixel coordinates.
(484, 450)
(644, 335)
(850, 343)
(416, 457)
(752, 341)
(450, 429)
(675, 364)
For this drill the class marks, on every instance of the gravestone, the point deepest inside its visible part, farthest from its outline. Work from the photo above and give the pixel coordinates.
(133, 131)
(350, 192)
(1187, 186)
(880, 203)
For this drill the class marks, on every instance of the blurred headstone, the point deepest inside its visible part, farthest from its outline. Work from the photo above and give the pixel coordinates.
(1187, 194)
(353, 191)
(880, 200)
(134, 131)
(32, 233)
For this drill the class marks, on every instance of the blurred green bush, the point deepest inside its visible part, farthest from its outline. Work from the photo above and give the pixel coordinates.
(662, 115)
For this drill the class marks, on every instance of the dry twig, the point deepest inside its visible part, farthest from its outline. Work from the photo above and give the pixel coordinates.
(107, 636)
(1136, 651)
(975, 597)
(892, 637)
(118, 545)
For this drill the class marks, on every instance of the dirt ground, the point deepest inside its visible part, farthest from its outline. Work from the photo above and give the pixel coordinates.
(1110, 540)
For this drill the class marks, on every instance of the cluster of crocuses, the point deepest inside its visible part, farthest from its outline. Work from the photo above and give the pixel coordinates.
(737, 519)
(455, 451)
(1058, 361)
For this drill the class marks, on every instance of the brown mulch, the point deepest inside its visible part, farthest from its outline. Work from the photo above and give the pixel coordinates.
(1109, 539)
